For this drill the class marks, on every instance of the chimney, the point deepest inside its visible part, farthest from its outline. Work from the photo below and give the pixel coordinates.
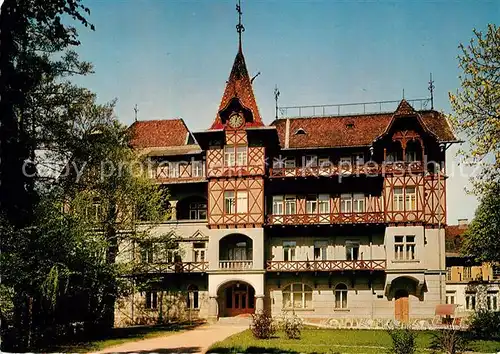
(287, 133)
(462, 223)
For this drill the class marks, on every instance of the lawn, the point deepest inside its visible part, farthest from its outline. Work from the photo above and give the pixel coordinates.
(330, 341)
(119, 336)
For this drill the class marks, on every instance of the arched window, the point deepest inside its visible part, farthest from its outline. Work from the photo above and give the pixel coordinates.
(341, 296)
(297, 296)
(413, 151)
(192, 298)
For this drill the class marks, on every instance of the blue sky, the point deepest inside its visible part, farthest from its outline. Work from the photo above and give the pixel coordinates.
(172, 58)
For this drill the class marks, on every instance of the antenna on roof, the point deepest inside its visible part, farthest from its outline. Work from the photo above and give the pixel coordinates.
(431, 89)
(239, 27)
(403, 93)
(135, 112)
(276, 96)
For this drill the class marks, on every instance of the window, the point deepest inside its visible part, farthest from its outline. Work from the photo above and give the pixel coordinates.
(229, 156)
(358, 203)
(147, 253)
(297, 296)
(345, 160)
(173, 169)
(311, 204)
(289, 250)
(324, 162)
(404, 248)
(198, 211)
(199, 251)
(197, 168)
(470, 301)
(241, 202)
(278, 205)
(151, 300)
(229, 202)
(467, 273)
(359, 159)
(450, 297)
(411, 155)
(341, 296)
(492, 300)
(290, 205)
(448, 273)
(324, 204)
(320, 248)
(352, 203)
(94, 212)
(398, 199)
(352, 250)
(290, 162)
(241, 156)
(192, 298)
(411, 198)
(311, 161)
(346, 203)
(235, 202)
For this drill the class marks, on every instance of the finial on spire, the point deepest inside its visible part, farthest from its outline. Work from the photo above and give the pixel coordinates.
(239, 27)
(135, 112)
(276, 96)
(431, 89)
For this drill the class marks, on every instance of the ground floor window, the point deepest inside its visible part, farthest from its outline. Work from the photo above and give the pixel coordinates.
(492, 300)
(341, 296)
(297, 296)
(152, 300)
(450, 297)
(193, 297)
(470, 301)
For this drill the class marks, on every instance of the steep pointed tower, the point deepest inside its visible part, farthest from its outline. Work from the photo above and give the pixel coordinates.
(235, 164)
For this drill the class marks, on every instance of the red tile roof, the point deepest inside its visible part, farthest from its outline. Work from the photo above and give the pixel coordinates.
(159, 133)
(239, 86)
(355, 130)
(453, 237)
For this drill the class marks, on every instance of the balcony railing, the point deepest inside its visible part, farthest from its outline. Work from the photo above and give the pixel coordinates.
(324, 266)
(183, 173)
(368, 169)
(166, 267)
(236, 265)
(333, 218)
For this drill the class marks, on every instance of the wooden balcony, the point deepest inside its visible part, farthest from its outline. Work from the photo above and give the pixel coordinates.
(184, 173)
(367, 169)
(334, 218)
(165, 267)
(235, 265)
(324, 266)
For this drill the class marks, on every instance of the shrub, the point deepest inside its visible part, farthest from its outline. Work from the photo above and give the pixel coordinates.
(403, 340)
(292, 325)
(262, 325)
(485, 325)
(449, 341)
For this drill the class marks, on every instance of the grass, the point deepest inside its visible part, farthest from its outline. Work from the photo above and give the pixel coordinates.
(119, 336)
(330, 341)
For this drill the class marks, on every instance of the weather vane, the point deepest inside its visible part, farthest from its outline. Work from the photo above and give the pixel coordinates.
(239, 27)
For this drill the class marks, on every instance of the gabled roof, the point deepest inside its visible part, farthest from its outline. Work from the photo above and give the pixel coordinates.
(356, 130)
(159, 133)
(239, 86)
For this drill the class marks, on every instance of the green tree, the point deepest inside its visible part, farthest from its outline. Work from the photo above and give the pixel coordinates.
(476, 105)
(482, 238)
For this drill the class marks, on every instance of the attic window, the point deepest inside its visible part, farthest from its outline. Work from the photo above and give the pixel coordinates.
(349, 125)
(300, 131)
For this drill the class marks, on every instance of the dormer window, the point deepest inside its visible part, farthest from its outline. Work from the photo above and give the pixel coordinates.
(300, 131)
(350, 125)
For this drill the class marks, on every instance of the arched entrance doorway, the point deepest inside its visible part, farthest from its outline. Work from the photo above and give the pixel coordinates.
(236, 298)
(401, 306)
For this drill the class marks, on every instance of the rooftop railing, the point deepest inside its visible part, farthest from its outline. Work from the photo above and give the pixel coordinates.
(341, 109)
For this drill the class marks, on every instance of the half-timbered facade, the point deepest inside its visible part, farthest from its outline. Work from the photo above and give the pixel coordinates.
(339, 218)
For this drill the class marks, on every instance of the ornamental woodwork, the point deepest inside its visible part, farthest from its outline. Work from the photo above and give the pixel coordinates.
(324, 266)
(393, 215)
(255, 213)
(435, 206)
(173, 267)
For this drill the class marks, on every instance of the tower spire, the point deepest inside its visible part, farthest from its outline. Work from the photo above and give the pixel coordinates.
(239, 27)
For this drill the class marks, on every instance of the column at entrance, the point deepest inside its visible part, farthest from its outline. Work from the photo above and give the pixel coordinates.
(213, 309)
(259, 303)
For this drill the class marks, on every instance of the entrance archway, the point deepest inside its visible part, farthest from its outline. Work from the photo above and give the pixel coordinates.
(401, 306)
(236, 298)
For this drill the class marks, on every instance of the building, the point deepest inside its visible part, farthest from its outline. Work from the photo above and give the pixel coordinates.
(470, 285)
(339, 218)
